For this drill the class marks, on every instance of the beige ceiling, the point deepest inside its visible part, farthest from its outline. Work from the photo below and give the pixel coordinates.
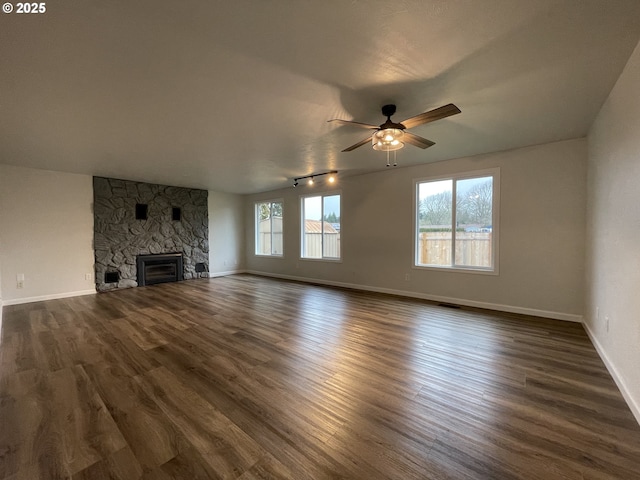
(235, 95)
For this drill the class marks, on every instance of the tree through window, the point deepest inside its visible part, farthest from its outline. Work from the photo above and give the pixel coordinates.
(269, 228)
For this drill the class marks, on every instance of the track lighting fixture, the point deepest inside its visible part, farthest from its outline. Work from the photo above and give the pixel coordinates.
(311, 178)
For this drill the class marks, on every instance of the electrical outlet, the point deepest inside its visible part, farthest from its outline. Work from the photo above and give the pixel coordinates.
(407, 277)
(597, 313)
(606, 321)
(88, 276)
(20, 284)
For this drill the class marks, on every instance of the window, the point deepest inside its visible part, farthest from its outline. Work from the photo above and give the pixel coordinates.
(269, 228)
(321, 227)
(470, 203)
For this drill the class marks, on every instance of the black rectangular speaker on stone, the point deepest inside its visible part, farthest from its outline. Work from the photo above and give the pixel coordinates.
(111, 277)
(141, 211)
(176, 214)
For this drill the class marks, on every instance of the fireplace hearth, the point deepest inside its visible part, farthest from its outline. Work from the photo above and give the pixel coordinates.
(159, 268)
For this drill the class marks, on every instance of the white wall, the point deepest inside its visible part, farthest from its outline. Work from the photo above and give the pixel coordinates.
(613, 232)
(226, 233)
(542, 221)
(46, 233)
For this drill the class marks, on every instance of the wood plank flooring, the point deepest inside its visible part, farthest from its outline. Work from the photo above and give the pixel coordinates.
(244, 377)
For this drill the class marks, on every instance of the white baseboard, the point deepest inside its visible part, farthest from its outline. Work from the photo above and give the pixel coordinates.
(224, 274)
(55, 296)
(613, 371)
(569, 317)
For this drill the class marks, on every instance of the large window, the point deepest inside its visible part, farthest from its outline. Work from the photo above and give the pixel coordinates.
(321, 227)
(269, 228)
(456, 221)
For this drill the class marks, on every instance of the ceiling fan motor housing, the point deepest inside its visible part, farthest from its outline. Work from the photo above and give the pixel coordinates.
(388, 110)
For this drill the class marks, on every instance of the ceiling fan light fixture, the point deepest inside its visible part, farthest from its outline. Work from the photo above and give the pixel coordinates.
(387, 140)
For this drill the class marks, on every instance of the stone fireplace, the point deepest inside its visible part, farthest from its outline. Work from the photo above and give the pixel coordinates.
(135, 220)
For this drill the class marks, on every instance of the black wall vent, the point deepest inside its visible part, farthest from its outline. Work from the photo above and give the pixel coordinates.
(111, 277)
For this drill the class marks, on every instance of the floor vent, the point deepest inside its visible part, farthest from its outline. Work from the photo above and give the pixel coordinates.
(448, 305)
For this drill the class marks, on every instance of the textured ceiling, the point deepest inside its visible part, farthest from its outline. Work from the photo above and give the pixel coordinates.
(234, 96)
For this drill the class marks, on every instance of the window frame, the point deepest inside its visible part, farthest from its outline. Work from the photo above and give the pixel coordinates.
(256, 221)
(322, 195)
(495, 227)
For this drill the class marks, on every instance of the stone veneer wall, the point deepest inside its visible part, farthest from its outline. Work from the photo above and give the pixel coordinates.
(119, 237)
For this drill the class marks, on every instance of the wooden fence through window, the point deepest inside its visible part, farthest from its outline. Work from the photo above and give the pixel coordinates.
(473, 249)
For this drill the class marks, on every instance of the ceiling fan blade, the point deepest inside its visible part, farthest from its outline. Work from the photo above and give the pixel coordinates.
(359, 144)
(417, 141)
(355, 124)
(431, 116)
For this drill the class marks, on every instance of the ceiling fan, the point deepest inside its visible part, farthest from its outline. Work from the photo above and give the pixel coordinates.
(392, 136)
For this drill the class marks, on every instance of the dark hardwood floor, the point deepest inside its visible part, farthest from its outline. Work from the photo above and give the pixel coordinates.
(244, 377)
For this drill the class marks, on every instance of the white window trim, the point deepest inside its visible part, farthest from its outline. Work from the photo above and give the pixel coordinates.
(495, 172)
(327, 193)
(256, 232)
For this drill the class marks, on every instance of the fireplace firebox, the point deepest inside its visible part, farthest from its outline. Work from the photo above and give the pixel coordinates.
(159, 268)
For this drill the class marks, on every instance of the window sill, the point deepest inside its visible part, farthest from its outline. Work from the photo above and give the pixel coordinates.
(444, 268)
(326, 260)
